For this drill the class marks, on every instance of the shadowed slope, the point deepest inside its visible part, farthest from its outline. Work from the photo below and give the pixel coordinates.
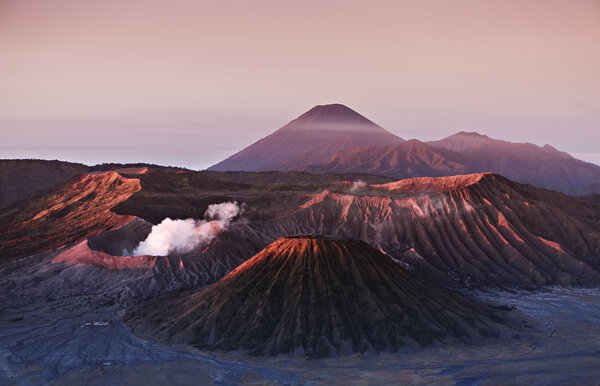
(19, 178)
(402, 160)
(293, 177)
(314, 135)
(315, 296)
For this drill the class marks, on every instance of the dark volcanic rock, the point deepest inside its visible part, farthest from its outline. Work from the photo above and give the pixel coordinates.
(315, 296)
(401, 160)
(279, 177)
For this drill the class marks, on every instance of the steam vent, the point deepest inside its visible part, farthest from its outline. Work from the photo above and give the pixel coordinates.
(316, 296)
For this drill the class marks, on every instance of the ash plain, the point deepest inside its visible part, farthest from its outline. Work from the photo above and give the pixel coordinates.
(44, 339)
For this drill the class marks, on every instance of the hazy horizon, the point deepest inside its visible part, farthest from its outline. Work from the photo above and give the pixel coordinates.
(189, 83)
(185, 158)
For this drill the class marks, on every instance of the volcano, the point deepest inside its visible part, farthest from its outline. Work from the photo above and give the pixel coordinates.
(310, 138)
(316, 296)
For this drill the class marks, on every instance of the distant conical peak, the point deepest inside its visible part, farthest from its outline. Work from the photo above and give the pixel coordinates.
(333, 112)
(332, 117)
(333, 109)
(312, 137)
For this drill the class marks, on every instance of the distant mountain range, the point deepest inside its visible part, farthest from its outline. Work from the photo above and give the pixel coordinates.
(336, 139)
(523, 162)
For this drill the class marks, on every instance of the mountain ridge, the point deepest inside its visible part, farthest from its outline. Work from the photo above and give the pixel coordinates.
(411, 158)
(336, 139)
(543, 166)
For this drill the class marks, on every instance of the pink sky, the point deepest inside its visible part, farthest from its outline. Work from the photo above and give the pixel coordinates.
(190, 82)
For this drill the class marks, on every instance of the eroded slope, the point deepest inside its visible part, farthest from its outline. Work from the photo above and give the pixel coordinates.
(315, 296)
(478, 229)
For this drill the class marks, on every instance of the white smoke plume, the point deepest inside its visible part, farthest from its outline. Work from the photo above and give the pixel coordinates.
(357, 185)
(182, 236)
